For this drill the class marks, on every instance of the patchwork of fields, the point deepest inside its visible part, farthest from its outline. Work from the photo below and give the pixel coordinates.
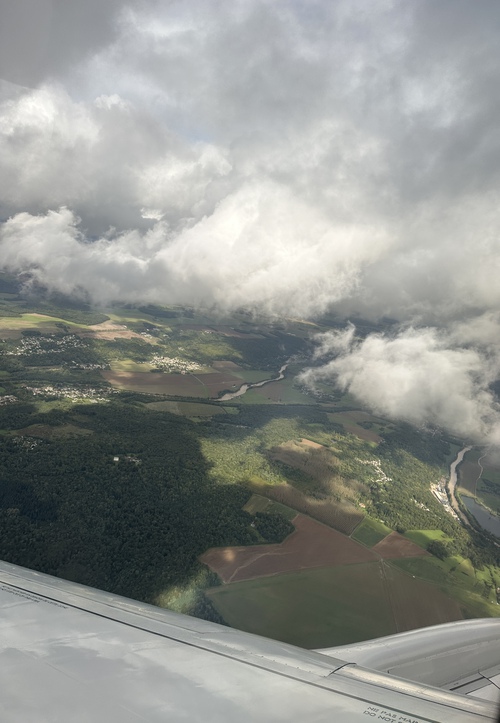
(329, 606)
(342, 575)
(311, 545)
(320, 587)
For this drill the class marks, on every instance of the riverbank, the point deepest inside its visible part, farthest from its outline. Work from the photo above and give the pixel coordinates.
(245, 387)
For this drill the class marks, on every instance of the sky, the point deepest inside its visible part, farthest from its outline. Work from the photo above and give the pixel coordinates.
(290, 157)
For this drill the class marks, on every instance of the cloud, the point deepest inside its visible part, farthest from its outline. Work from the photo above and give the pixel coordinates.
(254, 250)
(418, 376)
(288, 157)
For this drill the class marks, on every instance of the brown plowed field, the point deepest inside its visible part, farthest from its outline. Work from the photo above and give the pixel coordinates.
(110, 330)
(311, 545)
(394, 546)
(157, 383)
(188, 385)
(219, 381)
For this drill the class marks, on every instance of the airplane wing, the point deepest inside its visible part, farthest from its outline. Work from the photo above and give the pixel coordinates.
(71, 653)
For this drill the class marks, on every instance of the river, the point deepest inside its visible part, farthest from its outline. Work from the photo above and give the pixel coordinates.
(483, 516)
(245, 387)
(452, 483)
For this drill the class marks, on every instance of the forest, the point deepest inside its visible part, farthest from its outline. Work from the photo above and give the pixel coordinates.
(133, 526)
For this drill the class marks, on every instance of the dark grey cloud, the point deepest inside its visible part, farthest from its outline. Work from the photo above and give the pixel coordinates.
(46, 38)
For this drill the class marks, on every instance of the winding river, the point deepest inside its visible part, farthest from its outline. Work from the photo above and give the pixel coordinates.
(452, 483)
(245, 387)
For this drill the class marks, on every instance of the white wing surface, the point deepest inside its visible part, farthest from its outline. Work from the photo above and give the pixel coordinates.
(71, 653)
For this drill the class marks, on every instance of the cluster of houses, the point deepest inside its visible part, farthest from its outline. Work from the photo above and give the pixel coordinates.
(46, 345)
(174, 364)
(76, 394)
(7, 399)
(377, 467)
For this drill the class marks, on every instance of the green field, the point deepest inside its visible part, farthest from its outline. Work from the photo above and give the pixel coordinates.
(335, 605)
(370, 531)
(488, 497)
(456, 578)
(258, 503)
(129, 365)
(424, 537)
(42, 322)
(468, 472)
(311, 608)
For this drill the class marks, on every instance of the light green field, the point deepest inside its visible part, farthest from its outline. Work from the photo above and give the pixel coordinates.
(30, 321)
(370, 531)
(424, 537)
(455, 581)
(129, 365)
(258, 503)
(311, 608)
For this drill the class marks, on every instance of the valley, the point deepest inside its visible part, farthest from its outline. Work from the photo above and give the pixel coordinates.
(131, 460)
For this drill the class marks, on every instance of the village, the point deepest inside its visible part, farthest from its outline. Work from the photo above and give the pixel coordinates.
(174, 364)
(73, 393)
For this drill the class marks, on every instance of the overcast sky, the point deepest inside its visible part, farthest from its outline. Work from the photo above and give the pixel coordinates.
(289, 157)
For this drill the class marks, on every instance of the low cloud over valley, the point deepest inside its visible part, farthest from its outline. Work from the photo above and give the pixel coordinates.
(290, 158)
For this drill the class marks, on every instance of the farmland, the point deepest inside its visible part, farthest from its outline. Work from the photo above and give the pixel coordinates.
(197, 478)
(395, 546)
(469, 471)
(311, 545)
(361, 424)
(370, 531)
(312, 608)
(342, 516)
(333, 606)
(206, 386)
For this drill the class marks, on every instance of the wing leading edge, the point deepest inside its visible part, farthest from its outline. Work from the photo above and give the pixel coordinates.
(68, 652)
